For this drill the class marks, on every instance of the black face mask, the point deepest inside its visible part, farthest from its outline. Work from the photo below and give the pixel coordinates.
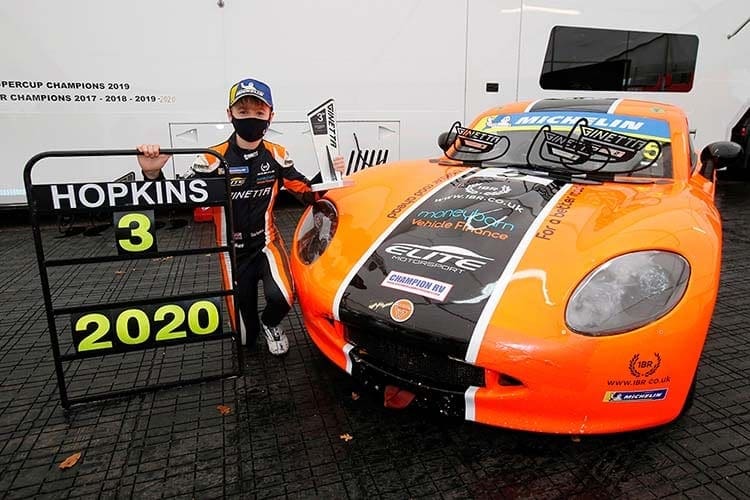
(250, 129)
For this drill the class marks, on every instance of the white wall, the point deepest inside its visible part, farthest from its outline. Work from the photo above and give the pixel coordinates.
(388, 61)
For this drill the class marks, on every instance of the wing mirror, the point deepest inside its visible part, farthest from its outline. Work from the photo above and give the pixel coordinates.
(718, 155)
(443, 141)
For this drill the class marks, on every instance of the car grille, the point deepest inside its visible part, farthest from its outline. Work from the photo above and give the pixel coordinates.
(413, 363)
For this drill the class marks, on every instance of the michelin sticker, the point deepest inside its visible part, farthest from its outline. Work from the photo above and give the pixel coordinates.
(631, 125)
(631, 396)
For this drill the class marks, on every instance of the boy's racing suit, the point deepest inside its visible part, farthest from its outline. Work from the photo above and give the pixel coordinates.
(256, 177)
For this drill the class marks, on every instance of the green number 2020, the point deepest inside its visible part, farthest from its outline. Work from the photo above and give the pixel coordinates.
(135, 232)
(133, 327)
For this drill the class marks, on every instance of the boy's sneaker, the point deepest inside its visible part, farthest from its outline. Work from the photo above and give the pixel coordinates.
(278, 343)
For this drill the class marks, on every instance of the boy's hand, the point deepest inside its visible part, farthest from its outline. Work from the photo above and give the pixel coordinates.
(151, 161)
(339, 165)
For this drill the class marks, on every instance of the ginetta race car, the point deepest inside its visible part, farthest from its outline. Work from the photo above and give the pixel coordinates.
(555, 271)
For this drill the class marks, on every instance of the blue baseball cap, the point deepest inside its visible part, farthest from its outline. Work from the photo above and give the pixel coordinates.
(250, 87)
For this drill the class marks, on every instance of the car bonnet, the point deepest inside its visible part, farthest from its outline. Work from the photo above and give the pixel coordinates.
(442, 266)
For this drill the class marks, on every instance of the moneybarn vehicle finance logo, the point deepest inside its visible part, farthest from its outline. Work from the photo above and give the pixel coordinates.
(474, 219)
(445, 257)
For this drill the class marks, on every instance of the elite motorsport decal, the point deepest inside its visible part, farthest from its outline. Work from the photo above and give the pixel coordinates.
(451, 255)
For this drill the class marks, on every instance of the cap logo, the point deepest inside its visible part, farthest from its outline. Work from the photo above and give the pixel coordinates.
(249, 87)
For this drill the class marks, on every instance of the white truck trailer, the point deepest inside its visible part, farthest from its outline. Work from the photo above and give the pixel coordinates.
(82, 74)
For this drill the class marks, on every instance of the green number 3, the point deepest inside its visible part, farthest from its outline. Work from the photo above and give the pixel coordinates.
(140, 239)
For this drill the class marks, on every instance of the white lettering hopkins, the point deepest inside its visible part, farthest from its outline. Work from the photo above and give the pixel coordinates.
(116, 190)
(68, 195)
(140, 192)
(198, 191)
(85, 201)
(159, 193)
(176, 192)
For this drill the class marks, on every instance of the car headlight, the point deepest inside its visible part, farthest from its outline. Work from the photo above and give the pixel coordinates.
(627, 292)
(316, 231)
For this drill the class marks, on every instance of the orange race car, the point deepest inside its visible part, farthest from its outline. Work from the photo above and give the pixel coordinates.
(555, 271)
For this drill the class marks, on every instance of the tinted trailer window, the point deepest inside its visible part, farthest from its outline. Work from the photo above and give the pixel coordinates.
(617, 60)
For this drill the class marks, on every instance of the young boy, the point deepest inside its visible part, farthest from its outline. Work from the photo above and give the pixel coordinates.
(258, 169)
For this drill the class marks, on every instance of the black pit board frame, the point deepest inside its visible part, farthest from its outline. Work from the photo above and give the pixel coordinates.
(218, 194)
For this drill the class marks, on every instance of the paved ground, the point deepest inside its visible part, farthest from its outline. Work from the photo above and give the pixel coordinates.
(283, 435)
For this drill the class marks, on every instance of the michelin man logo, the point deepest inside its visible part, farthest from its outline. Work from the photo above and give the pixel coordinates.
(250, 88)
(498, 121)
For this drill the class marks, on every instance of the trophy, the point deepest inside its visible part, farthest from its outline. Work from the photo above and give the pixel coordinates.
(322, 122)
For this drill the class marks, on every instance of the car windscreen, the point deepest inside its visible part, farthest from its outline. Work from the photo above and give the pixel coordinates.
(576, 142)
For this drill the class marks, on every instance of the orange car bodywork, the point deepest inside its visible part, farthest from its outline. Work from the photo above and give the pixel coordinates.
(563, 380)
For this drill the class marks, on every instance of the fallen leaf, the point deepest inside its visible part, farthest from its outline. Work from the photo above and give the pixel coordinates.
(346, 437)
(224, 410)
(119, 273)
(355, 396)
(70, 461)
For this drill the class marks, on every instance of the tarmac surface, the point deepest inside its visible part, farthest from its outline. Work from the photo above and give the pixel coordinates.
(298, 427)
